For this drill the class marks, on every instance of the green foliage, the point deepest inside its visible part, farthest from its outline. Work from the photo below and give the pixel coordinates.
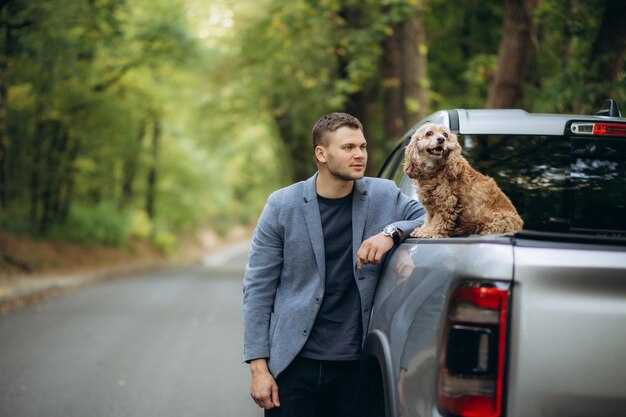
(566, 32)
(101, 224)
(303, 59)
(165, 241)
(478, 74)
(463, 42)
(105, 72)
(141, 225)
(226, 83)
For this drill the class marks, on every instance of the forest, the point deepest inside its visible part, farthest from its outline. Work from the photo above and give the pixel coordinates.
(148, 118)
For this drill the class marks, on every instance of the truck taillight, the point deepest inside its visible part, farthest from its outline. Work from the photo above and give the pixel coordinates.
(599, 129)
(472, 359)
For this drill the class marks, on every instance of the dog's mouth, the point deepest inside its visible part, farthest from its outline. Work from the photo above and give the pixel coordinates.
(438, 151)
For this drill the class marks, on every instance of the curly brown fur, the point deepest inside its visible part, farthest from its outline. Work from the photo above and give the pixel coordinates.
(459, 200)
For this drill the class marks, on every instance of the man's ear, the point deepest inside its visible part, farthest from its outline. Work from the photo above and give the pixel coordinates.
(320, 154)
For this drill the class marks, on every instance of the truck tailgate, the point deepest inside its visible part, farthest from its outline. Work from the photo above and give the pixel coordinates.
(568, 331)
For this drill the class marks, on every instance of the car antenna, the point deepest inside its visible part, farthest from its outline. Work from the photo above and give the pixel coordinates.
(609, 108)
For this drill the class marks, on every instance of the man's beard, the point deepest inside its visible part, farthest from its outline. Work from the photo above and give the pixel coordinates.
(344, 175)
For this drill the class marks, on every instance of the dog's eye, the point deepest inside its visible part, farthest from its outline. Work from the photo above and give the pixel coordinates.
(429, 133)
(445, 135)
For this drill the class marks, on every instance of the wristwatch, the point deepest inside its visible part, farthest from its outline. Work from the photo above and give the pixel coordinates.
(393, 232)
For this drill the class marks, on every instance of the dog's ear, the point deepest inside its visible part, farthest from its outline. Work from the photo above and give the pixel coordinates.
(454, 166)
(457, 150)
(411, 167)
(455, 163)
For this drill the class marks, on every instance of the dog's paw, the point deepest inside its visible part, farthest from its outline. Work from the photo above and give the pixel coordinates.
(422, 232)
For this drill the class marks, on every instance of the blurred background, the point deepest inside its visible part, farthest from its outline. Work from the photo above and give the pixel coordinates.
(154, 126)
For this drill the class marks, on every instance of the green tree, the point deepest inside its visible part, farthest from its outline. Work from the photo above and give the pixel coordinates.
(573, 67)
(87, 77)
(308, 58)
(184, 113)
(605, 64)
(517, 43)
(14, 18)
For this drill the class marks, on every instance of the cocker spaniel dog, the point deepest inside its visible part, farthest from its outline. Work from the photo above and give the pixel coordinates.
(459, 200)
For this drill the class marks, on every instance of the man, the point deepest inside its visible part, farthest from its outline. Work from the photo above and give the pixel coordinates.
(312, 270)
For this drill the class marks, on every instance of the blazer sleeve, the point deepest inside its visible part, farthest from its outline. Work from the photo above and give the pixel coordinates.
(260, 281)
(411, 213)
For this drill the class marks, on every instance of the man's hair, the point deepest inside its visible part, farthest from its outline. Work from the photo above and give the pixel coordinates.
(331, 122)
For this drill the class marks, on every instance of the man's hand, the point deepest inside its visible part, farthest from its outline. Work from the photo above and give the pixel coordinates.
(373, 249)
(263, 390)
(404, 265)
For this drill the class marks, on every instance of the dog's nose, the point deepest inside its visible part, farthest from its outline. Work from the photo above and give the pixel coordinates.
(441, 140)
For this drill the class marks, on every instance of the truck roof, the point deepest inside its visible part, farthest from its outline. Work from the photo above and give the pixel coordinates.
(504, 121)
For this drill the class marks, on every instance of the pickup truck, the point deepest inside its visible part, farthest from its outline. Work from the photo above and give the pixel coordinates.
(523, 324)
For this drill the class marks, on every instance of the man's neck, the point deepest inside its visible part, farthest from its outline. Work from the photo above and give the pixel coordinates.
(331, 187)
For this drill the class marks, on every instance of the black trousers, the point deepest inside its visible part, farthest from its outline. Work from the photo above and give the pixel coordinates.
(314, 388)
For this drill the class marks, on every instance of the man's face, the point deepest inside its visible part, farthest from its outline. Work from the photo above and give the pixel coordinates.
(345, 153)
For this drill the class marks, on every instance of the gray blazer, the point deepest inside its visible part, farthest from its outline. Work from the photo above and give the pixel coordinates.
(283, 286)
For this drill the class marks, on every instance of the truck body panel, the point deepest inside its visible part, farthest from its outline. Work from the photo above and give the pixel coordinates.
(408, 309)
(568, 331)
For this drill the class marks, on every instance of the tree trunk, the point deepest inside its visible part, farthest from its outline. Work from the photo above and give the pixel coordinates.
(415, 74)
(405, 76)
(299, 148)
(54, 141)
(5, 183)
(67, 186)
(606, 59)
(153, 173)
(130, 168)
(517, 42)
(393, 95)
(35, 176)
(5, 76)
(363, 106)
(10, 25)
(363, 103)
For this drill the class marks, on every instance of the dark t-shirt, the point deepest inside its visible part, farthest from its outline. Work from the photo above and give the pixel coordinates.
(337, 332)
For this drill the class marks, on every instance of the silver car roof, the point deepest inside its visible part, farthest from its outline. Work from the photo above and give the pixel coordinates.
(503, 121)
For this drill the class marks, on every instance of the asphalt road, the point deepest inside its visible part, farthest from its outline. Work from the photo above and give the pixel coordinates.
(166, 343)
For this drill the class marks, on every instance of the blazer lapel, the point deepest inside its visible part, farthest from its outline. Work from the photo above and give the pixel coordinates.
(313, 222)
(360, 206)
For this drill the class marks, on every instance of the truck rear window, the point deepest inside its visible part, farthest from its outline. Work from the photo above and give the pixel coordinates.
(557, 183)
